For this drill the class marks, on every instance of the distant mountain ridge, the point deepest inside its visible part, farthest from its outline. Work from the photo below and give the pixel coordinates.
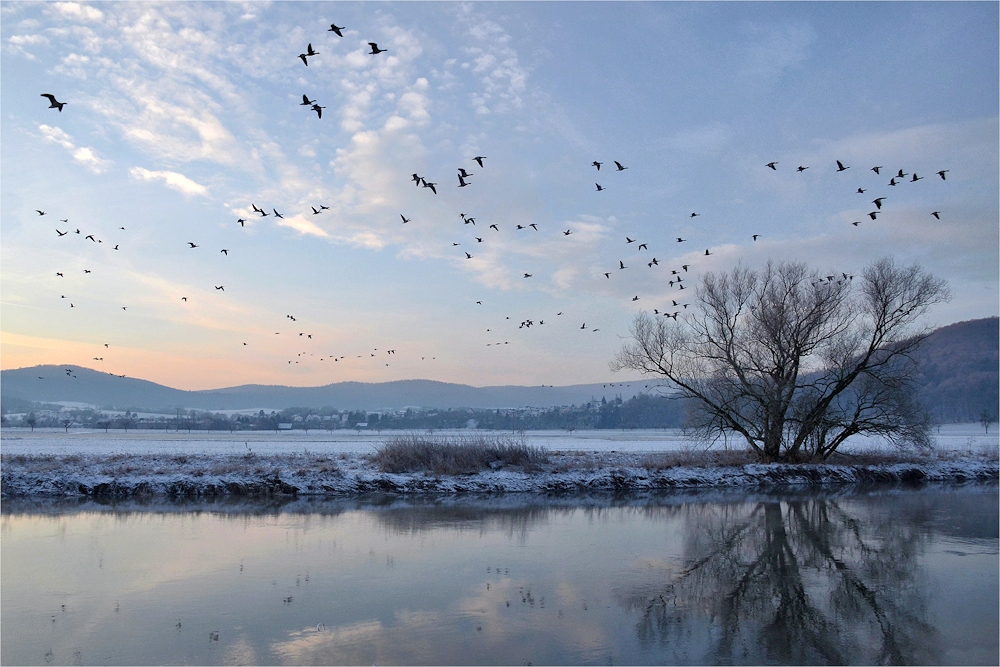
(959, 380)
(107, 391)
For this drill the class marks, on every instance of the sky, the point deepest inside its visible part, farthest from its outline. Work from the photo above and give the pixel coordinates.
(179, 118)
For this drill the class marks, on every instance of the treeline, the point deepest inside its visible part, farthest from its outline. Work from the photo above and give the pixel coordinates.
(640, 412)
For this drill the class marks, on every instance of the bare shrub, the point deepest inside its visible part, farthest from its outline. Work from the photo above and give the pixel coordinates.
(464, 455)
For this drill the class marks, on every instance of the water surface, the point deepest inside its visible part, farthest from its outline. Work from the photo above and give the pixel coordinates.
(875, 576)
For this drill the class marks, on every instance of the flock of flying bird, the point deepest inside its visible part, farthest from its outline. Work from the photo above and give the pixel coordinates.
(675, 281)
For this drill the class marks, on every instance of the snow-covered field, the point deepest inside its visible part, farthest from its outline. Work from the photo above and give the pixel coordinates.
(289, 464)
(950, 437)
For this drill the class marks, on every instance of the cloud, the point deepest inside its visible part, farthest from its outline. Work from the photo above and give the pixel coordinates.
(74, 10)
(171, 179)
(85, 156)
(772, 49)
(302, 226)
(19, 44)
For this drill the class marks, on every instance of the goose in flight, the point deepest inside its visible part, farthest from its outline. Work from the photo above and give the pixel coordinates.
(428, 184)
(91, 237)
(241, 221)
(306, 101)
(318, 109)
(599, 188)
(653, 263)
(620, 166)
(495, 227)
(856, 223)
(936, 214)
(479, 159)
(916, 178)
(755, 236)
(461, 181)
(61, 233)
(901, 174)
(597, 164)
(876, 169)
(534, 226)
(468, 256)
(621, 264)
(841, 167)
(873, 214)
(59, 273)
(277, 215)
(707, 253)
(463, 173)
(193, 245)
(221, 287)
(567, 233)
(680, 240)
(53, 102)
(375, 50)
(628, 240)
(878, 202)
(39, 212)
(892, 181)
(695, 215)
(643, 246)
(335, 29)
(225, 251)
(771, 165)
(800, 168)
(315, 210)
(527, 275)
(309, 53)
(942, 173)
(405, 219)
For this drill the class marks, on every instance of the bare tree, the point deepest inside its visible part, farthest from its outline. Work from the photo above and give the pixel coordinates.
(793, 361)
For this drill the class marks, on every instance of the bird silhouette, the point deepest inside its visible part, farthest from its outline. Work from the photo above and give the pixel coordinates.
(771, 165)
(599, 188)
(318, 109)
(461, 181)
(936, 214)
(916, 178)
(335, 29)
(873, 214)
(428, 184)
(695, 215)
(277, 215)
(59, 273)
(942, 173)
(495, 227)
(375, 50)
(597, 164)
(892, 181)
(193, 245)
(628, 240)
(621, 264)
(856, 223)
(314, 210)
(875, 169)
(241, 221)
(861, 191)
(800, 168)
(405, 219)
(306, 101)
(184, 298)
(225, 251)
(755, 236)
(900, 174)
(90, 236)
(567, 233)
(878, 202)
(680, 240)
(840, 166)
(220, 287)
(463, 173)
(534, 226)
(61, 233)
(527, 275)
(707, 253)
(53, 102)
(468, 256)
(642, 246)
(619, 165)
(479, 159)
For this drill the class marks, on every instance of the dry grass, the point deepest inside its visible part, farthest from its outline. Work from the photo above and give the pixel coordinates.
(699, 459)
(455, 456)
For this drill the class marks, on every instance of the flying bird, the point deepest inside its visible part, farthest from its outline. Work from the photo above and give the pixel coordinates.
(771, 165)
(306, 101)
(318, 109)
(800, 168)
(193, 245)
(90, 236)
(53, 102)
(241, 221)
(873, 214)
(375, 50)
(461, 181)
(892, 181)
(707, 253)
(495, 227)
(39, 212)
(901, 174)
(59, 273)
(642, 246)
(428, 184)
(861, 191)
(599, 188)
(405, 219)
(61, 233)
(315, 210)
(567, 233)
(335, 29)
(916, 178)
(755, 236)
(878, 202)
(468, 256)
(621, 264)
(695, 215)
(225, 251)
(463, 173)
(619, 165)
(936, 214)
(277, 215)
(875, 169)
(221, 287)
(527, 275)
(942, 173)
(479, 159)
(840, 166)
(680, 240)
(628, 240)
(597, 164)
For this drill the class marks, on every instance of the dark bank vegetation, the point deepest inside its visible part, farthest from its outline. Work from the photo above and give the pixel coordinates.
(463, 455)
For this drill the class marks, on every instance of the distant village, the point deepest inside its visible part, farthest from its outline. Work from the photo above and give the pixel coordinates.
(641, 411)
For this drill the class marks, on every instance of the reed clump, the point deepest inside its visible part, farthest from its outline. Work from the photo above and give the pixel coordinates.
(458, 455)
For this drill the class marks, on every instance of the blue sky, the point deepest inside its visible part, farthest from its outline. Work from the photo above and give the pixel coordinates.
(180, 116)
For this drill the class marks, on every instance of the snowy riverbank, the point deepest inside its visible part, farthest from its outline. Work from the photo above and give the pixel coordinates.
(207, 475)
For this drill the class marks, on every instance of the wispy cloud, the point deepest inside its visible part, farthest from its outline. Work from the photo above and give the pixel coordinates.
(171, 179)
(86, 156)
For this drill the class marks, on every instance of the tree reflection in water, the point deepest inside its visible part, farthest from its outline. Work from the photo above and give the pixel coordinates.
(808, 581)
